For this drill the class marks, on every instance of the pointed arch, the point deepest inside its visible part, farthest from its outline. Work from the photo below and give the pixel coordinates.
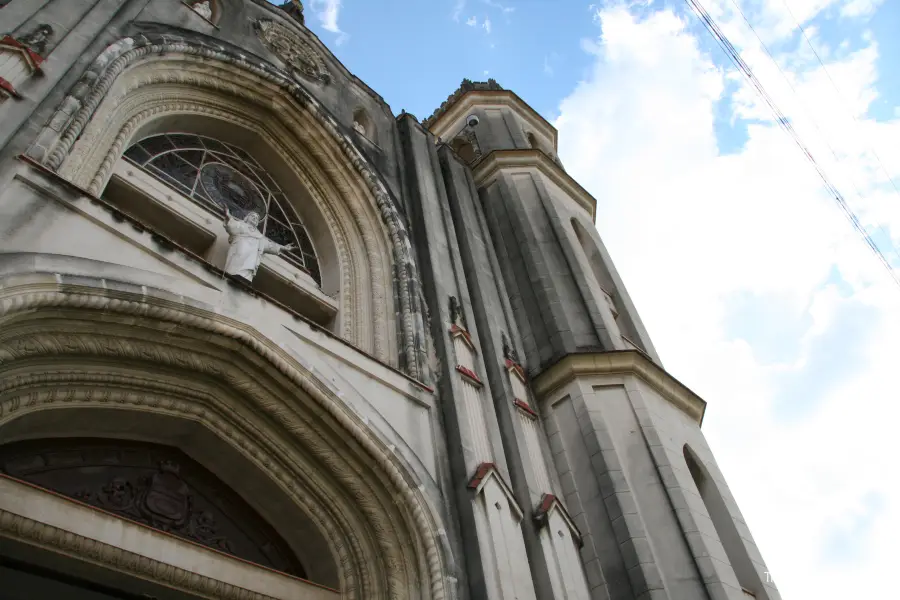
(139, 82)
(363, 124)
(278, 424)
(723, 523)
(464, 149)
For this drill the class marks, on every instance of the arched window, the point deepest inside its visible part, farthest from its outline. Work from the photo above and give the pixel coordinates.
(724, 525)
(216, 175)
(464, 150)
(532, 141)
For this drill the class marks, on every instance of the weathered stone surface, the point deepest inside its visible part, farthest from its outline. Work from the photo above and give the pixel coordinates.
(462, 403)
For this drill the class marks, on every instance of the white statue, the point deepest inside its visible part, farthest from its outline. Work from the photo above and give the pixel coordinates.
(359, 127)
(246, 245)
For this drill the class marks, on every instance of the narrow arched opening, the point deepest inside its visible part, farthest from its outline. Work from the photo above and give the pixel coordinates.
(363, 125)
(723, 522)
(464, 149)
(208, 9)
(601, 277)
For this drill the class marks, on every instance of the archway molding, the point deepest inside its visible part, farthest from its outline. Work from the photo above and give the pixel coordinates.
(108, 353)
(149, 77)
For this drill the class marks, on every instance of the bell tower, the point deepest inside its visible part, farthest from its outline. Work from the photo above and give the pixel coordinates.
(565, 292)
(600, 447)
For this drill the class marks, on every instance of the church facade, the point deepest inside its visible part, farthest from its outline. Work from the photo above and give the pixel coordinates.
(261, 338)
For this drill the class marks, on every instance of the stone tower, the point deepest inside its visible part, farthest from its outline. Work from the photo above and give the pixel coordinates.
(262, 338)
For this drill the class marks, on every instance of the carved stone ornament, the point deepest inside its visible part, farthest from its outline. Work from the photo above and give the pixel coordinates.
(202, 8)
(296, 52)
(154, 485)
(509, 351)
(456, 313)
(37, 40)
(247, 245)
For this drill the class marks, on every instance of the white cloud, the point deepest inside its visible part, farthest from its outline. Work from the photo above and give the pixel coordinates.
(487, 25)
(472, 22)
(860, 8)
(458, 8)
(328, 11)
(692, 227)
(508, 9)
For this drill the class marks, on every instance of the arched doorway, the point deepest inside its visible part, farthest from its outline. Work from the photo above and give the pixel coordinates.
(78, 363)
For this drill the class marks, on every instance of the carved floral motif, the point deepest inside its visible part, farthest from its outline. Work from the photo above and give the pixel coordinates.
(152, 485)
(296, 52)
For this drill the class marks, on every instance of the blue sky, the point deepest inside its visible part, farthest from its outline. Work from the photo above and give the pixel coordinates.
(754, 287)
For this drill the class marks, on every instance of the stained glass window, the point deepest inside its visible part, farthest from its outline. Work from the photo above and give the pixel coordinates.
(218, 175)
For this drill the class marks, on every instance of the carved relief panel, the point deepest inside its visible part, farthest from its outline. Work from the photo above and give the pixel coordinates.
(154, 485)
(297, 53)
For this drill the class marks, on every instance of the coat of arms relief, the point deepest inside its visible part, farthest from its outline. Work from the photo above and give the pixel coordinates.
(296, 52)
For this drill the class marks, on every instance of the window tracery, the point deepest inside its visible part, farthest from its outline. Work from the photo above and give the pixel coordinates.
(217, 176)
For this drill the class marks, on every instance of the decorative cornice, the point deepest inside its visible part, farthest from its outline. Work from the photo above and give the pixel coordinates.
(493, 165)
(8, 88)
(516, 369)
(628, 362)
(550, 503)
(524, 407)
(465, 87)
(484, 473)
(463, 104)
(457, 331)
(469, 375)
(33, 59)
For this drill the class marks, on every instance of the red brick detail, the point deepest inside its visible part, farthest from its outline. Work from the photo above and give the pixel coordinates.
(8, 88)
(483, 470)
(35, 58)
(540, 515)
(514, 366)
(457, 330)
(524, 406)
(469, 373)
(546, 503)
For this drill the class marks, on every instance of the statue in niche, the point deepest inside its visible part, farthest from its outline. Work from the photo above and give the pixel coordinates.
(359, 127)
(203, 8)
(247, 245)
(36, 41)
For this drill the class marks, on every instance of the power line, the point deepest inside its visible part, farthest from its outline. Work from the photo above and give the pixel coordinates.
(838, 92)
(811, 118)
(785, 124)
